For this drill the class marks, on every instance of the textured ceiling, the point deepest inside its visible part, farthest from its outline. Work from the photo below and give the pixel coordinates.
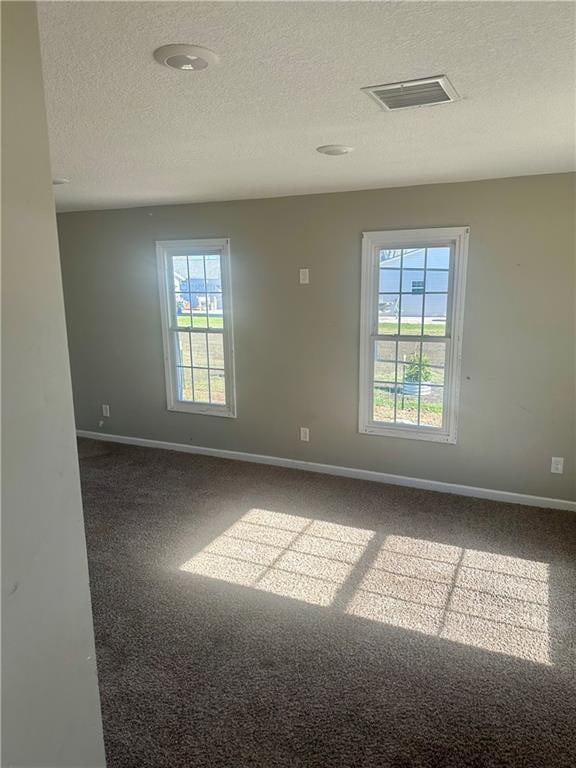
(130, 132)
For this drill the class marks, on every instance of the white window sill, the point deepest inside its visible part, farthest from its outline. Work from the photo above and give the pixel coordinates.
(412, 433)
(203, 410)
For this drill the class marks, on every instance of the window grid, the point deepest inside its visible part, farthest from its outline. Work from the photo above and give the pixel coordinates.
(421, 344)
(211, 370)
(409, 332)
(399, 329)
(418, 339)
(197, 334)
(207, 324)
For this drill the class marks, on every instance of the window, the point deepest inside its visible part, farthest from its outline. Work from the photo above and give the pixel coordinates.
(411, 332)
(197, 325)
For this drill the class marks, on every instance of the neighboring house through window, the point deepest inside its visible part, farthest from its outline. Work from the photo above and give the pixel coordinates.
(197, 327)
(411, 332)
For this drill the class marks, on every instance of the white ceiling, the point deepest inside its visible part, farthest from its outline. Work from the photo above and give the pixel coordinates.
(130, 132)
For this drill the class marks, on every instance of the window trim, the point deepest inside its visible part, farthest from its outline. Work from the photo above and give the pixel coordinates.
(164, 250)
(372, 243)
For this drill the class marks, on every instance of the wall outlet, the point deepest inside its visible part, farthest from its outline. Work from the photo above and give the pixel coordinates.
(305, 434)
(557, 465)
(105, 410)
(304, 276)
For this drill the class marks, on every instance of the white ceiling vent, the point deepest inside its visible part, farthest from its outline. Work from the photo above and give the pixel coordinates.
(413, 93)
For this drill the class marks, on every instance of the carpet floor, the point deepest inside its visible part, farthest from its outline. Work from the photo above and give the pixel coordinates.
(254, 616)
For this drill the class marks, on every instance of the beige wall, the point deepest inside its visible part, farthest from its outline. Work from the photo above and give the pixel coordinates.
(50, 706)
(297, 347)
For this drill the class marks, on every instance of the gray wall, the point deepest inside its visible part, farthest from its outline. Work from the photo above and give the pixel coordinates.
(297, 346)
(50, 706)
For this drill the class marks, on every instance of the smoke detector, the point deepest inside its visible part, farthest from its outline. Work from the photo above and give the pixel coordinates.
(413, 93)
(188, 58)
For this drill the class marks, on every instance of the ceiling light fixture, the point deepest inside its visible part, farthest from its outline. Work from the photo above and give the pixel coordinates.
(57, 180)
(188, 58)
(334, 149)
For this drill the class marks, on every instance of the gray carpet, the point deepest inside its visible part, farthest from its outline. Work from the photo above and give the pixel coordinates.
(257, 616)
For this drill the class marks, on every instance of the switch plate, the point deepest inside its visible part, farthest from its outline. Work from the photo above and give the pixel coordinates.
(557, 465)
(105, 410)
(305, 434)
(304, 276)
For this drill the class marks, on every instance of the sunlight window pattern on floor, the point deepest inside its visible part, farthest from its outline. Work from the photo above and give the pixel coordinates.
(494, 602)
(289, 555)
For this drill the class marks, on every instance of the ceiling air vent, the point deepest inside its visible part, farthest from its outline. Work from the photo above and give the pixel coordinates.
(413, 93)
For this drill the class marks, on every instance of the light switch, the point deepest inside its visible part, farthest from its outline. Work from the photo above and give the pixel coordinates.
(304, 276)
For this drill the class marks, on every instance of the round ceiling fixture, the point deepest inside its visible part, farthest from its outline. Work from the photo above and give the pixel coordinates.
(188, 58)
(57, 180)
(334, 149)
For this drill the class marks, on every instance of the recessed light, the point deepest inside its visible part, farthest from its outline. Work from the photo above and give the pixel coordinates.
(334, 149)
(57, 180)
(188, 58)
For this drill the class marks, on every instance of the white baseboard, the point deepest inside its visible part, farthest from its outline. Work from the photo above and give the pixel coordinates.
(330, 469)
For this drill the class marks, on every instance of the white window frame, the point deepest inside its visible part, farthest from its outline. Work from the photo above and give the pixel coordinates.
(165, 249)
(372, 244)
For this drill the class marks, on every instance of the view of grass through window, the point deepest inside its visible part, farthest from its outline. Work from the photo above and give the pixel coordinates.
(198, 322)
(411, 344)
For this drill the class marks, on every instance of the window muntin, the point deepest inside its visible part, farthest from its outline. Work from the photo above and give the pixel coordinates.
(412, 301)
(197, 325)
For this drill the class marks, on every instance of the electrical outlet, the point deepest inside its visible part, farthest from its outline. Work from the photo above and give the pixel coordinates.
(305, 434)
(105, 410)
(557, 465)
(304, 276)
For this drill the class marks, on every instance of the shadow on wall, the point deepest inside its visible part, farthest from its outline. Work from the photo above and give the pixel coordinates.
(494, 602)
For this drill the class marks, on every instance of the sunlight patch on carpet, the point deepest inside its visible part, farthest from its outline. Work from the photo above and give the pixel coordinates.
(494, 602)
(291, 556)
